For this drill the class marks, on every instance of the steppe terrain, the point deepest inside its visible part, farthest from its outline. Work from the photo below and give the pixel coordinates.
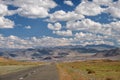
(76, 70)
(61, 63)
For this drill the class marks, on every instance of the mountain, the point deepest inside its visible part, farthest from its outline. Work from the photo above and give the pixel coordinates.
(108, 53)
(100, 47)
(55, 53)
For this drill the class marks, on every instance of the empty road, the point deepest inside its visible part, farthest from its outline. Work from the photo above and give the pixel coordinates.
(44, 72)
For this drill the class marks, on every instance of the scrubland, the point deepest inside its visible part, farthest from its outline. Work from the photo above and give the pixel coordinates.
(90, 70)
(9, 65)
(77, 70)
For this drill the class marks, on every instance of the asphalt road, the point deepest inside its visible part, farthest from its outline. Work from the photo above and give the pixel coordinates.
(44, 72)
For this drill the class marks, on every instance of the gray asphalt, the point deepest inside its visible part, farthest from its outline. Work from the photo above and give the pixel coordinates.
(44, 72)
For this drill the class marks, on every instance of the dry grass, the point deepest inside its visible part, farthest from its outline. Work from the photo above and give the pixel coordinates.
(63, 74)
(92, 70)
(9, 65)
(13, 68)
(4, 61)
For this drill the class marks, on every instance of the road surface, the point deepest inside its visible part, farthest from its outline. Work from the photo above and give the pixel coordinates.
(44, 72)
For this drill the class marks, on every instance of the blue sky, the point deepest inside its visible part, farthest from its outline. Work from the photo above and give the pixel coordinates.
(34, 23)
(38, 26)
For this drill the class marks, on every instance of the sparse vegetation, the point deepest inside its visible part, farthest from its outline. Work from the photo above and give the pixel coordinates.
(109, 78)
(9, 65)
(13, 68)
(79, 70)
(89, 71)
(92, 70)
(4, 61)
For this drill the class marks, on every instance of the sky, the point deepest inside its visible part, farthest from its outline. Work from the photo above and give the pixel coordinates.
(46, 23)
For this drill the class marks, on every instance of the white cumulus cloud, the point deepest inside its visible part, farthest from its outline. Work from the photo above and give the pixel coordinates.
(28, 27)
(63, 33)
(89, 9)
(64, 16)
(103, 2)
(83, 24)
(56, 26)
(3, 10)
(114, 11)
(6, 23)
(88, 25)
(16, 42)
(78, 28)
(68, 2)
(33, 8)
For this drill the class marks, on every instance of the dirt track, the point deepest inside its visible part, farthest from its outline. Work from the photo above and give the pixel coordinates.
(44, 72)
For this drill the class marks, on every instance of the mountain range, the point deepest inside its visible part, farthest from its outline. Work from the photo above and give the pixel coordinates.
(61, 52)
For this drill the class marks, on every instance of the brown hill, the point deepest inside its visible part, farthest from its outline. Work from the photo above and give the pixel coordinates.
(2, 59)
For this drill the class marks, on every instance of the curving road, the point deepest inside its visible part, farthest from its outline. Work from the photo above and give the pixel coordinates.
(44, 72)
